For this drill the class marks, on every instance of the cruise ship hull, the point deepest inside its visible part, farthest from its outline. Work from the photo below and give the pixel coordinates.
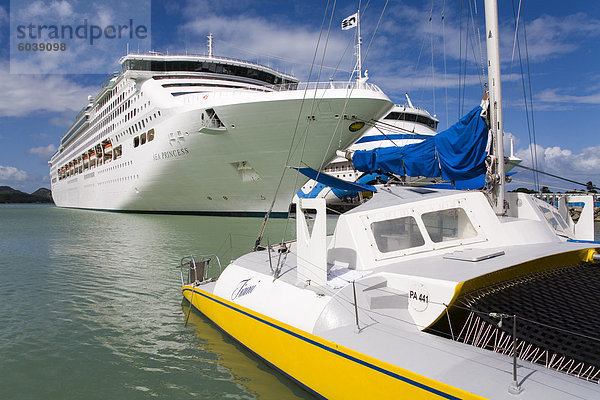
(191, 167)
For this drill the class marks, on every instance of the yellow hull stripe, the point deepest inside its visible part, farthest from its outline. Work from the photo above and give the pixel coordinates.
(324, 367)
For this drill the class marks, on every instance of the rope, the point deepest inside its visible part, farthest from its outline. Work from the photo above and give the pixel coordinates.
(556, 176)
(376, 29)
(532, 149)
(533, 184)
(268, 213)
(432, 52)
(445, 68)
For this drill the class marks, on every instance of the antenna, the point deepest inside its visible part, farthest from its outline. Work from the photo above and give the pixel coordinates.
(210, 44)
(410, 104)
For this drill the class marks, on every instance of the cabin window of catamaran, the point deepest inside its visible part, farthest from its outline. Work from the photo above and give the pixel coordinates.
(554, 219)
(397, 234)
(449, 224)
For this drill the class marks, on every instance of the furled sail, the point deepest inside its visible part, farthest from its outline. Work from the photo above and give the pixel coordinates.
(456, 154)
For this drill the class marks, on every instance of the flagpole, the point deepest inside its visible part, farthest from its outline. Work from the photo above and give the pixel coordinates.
(359, 61)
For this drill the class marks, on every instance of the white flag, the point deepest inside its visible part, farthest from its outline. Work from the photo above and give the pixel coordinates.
(350, 22)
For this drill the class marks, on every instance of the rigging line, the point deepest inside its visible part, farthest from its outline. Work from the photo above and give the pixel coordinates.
(516, 29)
(548, 186)
(432, 64)
(420, 52)
(464, 77)
(483, 313)
(297, 175)
(350, 42)
(460, 32)
(445, 68)
(482, 63)
(535, 157)
(386, 136)
(286, 59)
(555, 176)
(268, 213)
(376, 29)
(531, 148)
(560, 329)
(314, 102)
(393, 128)
(476, 34)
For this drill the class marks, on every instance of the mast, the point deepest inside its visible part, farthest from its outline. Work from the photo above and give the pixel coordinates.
(210, 44)
(496, 121)
(358, 48)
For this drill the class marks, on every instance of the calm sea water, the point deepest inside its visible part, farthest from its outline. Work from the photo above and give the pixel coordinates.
(90, 307)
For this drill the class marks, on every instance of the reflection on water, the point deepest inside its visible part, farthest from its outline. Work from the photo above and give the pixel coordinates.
(90, 307)
(245, 368)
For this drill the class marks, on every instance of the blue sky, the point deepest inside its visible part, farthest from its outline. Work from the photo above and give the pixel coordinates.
(406, 54)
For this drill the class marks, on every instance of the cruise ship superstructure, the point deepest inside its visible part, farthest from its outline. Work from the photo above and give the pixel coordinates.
(204, 134)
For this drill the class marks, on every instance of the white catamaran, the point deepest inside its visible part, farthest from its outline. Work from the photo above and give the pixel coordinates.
(424, 293)
(203, 134)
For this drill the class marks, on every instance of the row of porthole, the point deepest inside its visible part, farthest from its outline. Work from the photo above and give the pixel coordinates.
(227, 198)
(122, 179)
(117, 166)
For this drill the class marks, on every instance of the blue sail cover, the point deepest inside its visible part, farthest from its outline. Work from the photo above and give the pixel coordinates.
(456, 154)
(334, 182)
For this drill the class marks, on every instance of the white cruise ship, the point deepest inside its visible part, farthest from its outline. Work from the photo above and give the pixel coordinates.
(204, 135)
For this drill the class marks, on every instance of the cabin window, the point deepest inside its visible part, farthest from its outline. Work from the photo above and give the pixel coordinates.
(449, 224)
(136, 141)
(151, 135)
(554, 219)
(397, 234)
(143, 138)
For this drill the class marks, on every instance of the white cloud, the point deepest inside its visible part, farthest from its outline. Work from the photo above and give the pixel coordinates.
(44, 152)
(580, 167)
(27, 94)
(4, 21)
(248, 37)
(91, 54)
(555, 36)
(40, 9)
(553, 96)
(12, 175)
(63, 122)
(3, 16)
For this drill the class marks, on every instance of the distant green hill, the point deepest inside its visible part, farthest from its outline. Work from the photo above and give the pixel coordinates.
(10, 195)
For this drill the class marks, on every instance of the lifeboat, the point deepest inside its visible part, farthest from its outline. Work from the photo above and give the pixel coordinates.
(108, 148)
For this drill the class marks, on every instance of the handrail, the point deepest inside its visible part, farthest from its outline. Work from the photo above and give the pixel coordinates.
(187, 261)
(327, 85)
